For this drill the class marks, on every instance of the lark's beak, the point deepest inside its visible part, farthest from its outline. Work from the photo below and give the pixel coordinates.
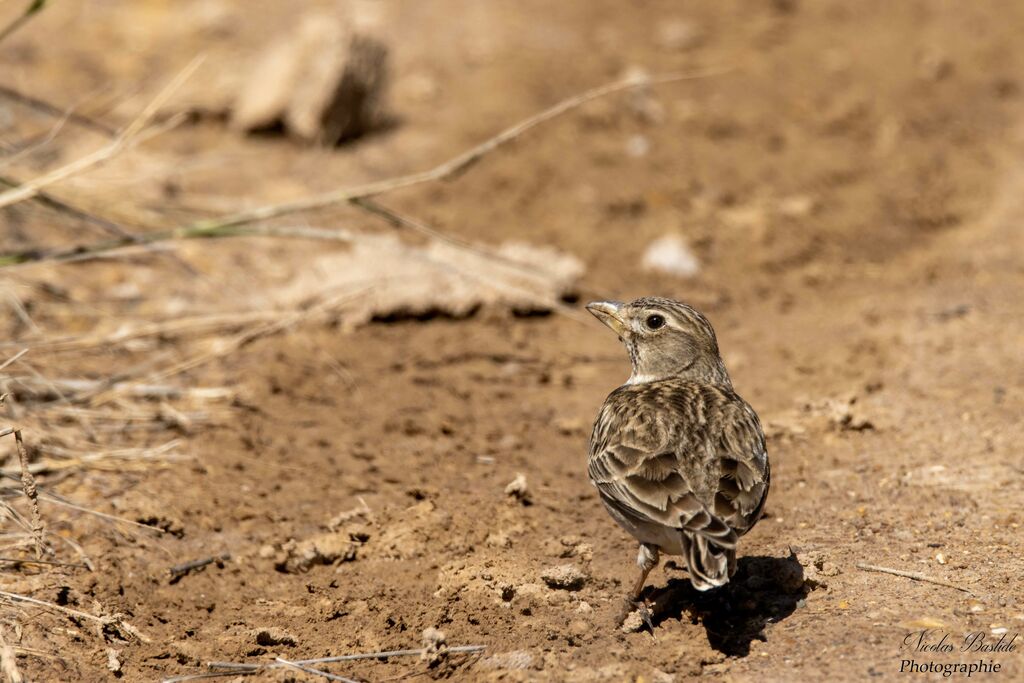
(610, 313)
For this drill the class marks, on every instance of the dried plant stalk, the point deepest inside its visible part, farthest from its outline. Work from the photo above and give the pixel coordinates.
(28, 485)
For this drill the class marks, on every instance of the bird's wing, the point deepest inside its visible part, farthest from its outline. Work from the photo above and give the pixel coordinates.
(687, 457)
(743, 467)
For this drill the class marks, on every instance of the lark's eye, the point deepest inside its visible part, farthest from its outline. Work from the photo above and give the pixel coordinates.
(655, 321)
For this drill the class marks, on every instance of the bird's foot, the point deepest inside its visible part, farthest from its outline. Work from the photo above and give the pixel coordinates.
(640, 607)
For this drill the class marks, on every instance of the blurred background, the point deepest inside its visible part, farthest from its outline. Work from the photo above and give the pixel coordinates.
(294, 337)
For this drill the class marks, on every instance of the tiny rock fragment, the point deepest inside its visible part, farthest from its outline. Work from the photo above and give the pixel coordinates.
(434, 648)
(518, 489)
(498, 539)
(672, 256)
(797, 206)
(273, 635)
(324, 82)
(113, 660)
(846, 415)
(940, 558)
(675, 35)
(565, 577)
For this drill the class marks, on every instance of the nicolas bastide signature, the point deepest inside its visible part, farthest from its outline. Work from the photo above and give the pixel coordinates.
(933, 641)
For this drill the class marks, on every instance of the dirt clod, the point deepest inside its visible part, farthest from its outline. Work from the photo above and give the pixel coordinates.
(518, 489)
(567, 577)
(328, 548)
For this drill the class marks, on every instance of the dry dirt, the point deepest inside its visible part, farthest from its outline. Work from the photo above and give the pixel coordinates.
(852, 188)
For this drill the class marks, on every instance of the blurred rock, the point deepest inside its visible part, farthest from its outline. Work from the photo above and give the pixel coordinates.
(324, 83)
(676, 35)
(797, 206)
(518, 489)
(670, 255)
(637, 146)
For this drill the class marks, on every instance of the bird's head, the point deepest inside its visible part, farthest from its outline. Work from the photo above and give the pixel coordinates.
(665, 338)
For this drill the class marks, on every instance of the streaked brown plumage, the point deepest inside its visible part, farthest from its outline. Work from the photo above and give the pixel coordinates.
(677, 456)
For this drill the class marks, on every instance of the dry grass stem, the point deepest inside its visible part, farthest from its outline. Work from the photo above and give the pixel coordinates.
(124, 140)
(28, 485)
(460, 163)
(316, 672)
(34, 6)
(44, 107)
(916, 576)
(112, 620)
(8, 661)
(226, 347)
(233, 225)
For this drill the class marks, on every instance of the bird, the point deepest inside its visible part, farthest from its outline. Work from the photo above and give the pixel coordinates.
(678, 458)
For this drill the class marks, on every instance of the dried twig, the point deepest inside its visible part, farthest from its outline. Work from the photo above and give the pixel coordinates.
(8, 662)
(33, 7)
(74, 389)
(115, 619)
(233, 225)
(60, 206)
(388, 654)
(316, 672)
(28, 485)
(235, 343)
(54, 563)
(10, 360)
(107, 248)
(191, 325)
(916, 576)
(180, 570)
(124, 140)
(238, 669)
(102, 515)
(460, 163)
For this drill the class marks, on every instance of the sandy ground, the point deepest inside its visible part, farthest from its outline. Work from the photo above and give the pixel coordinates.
(852, 190)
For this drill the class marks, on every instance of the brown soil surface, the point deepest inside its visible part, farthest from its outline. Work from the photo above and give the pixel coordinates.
(852, 188)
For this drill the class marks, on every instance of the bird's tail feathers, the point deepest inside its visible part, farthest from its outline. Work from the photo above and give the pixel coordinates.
(710, 551)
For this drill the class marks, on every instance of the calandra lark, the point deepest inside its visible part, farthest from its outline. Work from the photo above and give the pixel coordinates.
(677, 456)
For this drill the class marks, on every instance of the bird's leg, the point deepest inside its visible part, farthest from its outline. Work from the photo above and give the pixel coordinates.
(646, 559)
